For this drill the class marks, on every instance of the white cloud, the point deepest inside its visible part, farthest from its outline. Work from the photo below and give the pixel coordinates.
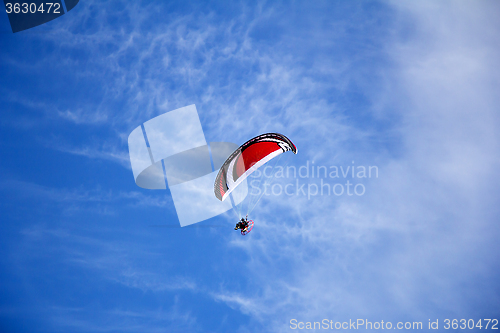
(406, 248)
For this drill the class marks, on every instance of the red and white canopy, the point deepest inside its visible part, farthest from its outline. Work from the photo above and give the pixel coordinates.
(249, 157)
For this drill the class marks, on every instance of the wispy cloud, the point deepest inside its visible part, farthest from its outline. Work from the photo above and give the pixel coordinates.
(80, 116)
(172, 319)
(104, 152)
(78, 196)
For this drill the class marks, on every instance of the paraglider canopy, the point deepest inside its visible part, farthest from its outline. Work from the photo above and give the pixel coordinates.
(247, 158)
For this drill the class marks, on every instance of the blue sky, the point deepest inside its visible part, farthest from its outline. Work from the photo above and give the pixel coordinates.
(409, 87)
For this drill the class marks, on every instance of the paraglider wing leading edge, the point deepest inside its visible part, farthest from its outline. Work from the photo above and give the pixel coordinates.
(247, 158)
